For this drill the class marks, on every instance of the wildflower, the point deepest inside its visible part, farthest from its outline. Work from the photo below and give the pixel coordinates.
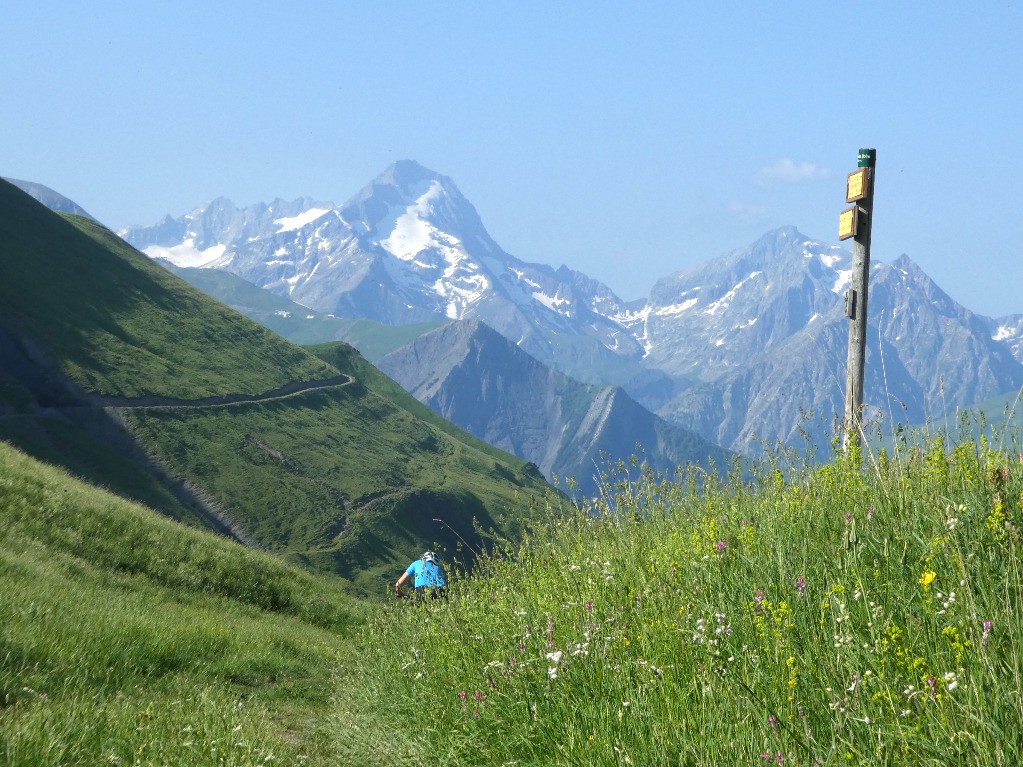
(589, 607)
(722, 545)
(927, 578)
(759, 598)
(801, 585)
(848, 516)
(870, 512)
(555, 657)
(552, 672)
(462, 694)
(987, 632)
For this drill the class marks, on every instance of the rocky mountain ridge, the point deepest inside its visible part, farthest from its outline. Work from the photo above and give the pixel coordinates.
(739, 349)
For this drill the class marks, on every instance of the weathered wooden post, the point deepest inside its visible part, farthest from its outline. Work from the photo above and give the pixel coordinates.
(855, 222)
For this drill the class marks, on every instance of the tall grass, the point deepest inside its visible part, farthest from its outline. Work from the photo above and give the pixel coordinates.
(806, 615)
(126, 638)
(864, 612)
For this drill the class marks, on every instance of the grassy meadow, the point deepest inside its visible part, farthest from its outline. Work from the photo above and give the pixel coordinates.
(861, 612)
(814, 616)
(126, 638)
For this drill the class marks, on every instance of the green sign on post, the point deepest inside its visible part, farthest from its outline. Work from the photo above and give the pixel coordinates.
(866, 158)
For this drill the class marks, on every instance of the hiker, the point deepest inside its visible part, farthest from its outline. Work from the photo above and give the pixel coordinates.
(427, 577)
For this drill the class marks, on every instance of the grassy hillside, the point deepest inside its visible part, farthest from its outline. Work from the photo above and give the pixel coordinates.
(125, 375)
(129, 639)
(830, 615)
(120, 325)
(298, 323)
(343, 480)
(843, 614)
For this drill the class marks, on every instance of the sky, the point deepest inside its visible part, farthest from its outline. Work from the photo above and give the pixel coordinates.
(625, 140)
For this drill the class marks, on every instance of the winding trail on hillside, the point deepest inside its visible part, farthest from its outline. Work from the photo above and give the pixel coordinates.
(288, 390)
(104, 419)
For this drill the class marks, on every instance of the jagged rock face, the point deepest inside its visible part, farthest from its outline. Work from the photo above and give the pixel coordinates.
(747, 349)
(476, 378)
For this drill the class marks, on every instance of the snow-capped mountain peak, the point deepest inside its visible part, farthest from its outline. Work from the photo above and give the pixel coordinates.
(725, 348)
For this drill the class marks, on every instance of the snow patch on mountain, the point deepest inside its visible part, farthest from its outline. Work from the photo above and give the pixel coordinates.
(844, 281)
(674, 309)
(726, 299)
(1003, 333)
(291, 223)
(187, 254)
(560, 305)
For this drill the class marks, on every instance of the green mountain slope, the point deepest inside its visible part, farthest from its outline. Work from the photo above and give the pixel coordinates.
(132, 378)
(298, 323)
(120, 325)
(127, 638)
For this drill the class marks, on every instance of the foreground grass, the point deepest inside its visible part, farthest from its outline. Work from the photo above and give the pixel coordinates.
(833, 616)
(817, 615)
(128, 639)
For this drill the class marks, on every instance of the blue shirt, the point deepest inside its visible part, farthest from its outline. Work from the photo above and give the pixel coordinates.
(427, 574)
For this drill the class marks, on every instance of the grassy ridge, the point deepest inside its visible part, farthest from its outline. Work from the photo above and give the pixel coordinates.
(120, 325)
(356, 482)
(298, 323)
(349, 479)
(128, 639)
(834, 616)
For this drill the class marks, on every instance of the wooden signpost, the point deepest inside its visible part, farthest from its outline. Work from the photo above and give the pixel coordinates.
(855, 223)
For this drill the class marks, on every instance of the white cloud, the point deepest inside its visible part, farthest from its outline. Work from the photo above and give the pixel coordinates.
(789, 171)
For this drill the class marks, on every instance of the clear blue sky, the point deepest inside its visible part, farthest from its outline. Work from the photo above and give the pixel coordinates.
(626, 140)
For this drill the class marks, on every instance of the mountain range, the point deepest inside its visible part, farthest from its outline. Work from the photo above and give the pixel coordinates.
(746, 350)
(120, 372)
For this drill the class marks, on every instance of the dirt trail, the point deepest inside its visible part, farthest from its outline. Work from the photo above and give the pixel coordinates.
(288, 390)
